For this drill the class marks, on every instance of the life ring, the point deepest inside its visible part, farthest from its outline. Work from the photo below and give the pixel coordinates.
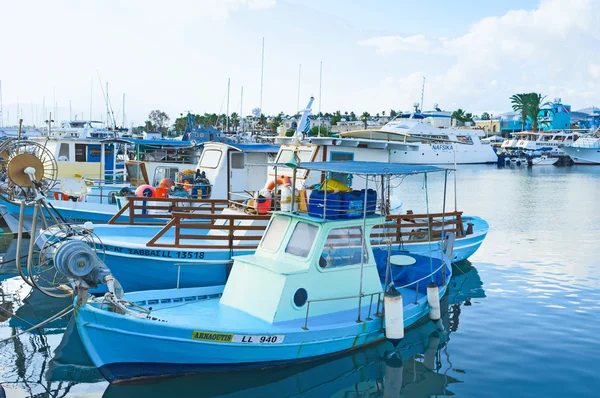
(281, 180)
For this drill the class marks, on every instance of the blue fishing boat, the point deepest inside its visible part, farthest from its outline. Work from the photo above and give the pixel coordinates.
(314, 287)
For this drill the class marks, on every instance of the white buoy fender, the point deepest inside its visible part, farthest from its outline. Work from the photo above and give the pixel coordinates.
(286, 198)
(432, 347)
(394, 314)
(392, 381)
(433, 299)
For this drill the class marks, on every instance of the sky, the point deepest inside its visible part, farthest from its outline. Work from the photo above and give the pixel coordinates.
(178, 55)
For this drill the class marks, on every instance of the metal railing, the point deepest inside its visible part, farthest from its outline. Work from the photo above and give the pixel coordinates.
(199, 263)
(358, 296)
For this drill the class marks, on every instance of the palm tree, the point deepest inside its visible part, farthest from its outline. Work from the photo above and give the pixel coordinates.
(462, 116)
(235, 120)
(262, 120)
(365, 118)
(519, 104)
(535, 105)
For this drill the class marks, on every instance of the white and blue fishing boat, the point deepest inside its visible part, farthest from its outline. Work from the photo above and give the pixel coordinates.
(314, 287)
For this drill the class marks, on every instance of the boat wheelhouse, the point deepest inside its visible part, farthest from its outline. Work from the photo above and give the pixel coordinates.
(586, 150)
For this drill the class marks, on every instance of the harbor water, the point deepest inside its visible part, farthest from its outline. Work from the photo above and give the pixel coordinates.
(520, 318)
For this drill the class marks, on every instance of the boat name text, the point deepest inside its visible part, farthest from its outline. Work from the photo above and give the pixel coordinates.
(237, 338)
(156, 253)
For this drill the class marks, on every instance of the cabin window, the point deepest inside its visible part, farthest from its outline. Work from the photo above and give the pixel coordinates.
(344, 178)
(302, 239)
(210, 158)
(274, 233)
(80, 153)
(164, 172)
(63, 152)
(344, 246)
(237, 160)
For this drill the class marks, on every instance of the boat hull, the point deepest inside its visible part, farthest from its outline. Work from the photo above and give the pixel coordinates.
(129, 259)
(443, 153)
(126, 348)
(587, 156)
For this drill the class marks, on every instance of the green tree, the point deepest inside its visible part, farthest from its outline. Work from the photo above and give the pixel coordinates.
(383, 113)
(336, 118)
(485, 116)
(535, 105)
(520, 104)
(323, 131)
(262, 121)
(393, 113)
(462, 116)
(365, 118)
(274, 125)
(352, 116)
(160, 120)
(149, 126)
(235, 120)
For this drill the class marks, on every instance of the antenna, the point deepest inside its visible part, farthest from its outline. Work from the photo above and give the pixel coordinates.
(70, 111)
(299, 75)
(262, 68)
(124, 118)
(17, 108)
(422, 93)
(227, 116)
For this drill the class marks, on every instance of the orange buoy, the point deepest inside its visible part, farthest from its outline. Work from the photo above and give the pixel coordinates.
(281, 180)
(166, 183)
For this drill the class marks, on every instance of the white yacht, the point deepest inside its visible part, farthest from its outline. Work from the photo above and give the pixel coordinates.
(586, 150)
(425, 144)
(79, 129)
(538, 142)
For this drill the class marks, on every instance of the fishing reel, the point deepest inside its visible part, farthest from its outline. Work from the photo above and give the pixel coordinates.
(70, 257)
(29, 170)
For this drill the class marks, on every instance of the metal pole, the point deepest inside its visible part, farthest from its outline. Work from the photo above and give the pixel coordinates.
(455, 200)
(293, 188)
(362, 246)
(428, 226)
(241, 108)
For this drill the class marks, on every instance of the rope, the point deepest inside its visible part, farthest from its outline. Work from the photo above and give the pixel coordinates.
(65, 311)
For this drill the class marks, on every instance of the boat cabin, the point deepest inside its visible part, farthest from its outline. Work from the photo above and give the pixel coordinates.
(93, 159)
(235, 169)
(303, 258)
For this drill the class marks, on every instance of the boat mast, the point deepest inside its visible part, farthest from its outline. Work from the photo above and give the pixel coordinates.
(1, 111)
(262, 68)
(242, 107)
(422, 93)
(227, 116)
(91, 95)
(320, 86)
(299, 76)
(124, 119)
(70, 111)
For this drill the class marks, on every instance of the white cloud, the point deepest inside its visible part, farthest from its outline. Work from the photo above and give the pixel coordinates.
(522, 50)
(392, 44)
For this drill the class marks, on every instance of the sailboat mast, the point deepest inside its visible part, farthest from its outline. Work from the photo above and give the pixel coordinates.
(299, 77)
(262, 68)
(422, 93)
(107, 107)
(1, 109)
(320, 86)
(241, 108)
(124, 119)
(227, 116)
(91, 95)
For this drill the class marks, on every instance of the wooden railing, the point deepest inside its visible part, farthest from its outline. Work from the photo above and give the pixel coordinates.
(158, 211)
(415, 227)
(224, 233)
(229, 231)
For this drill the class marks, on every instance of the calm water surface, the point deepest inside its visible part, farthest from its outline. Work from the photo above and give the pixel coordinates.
(521, 317)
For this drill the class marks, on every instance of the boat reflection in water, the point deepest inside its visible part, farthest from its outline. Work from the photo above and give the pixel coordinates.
(413, 368)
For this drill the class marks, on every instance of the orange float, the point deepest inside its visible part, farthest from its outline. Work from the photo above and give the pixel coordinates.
(281, 180)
